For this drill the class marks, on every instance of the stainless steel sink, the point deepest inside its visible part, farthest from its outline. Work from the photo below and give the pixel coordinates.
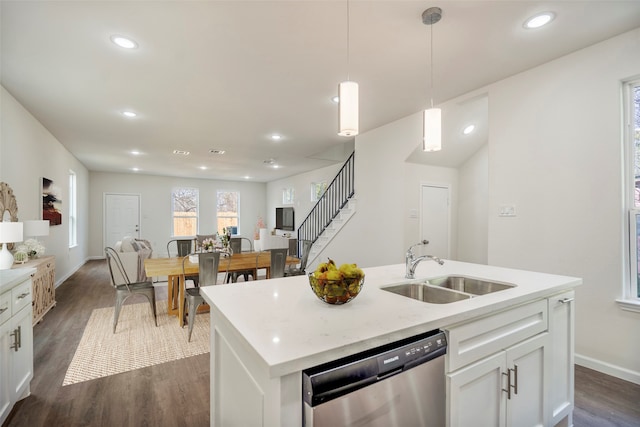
(470, 285)
(423, 292)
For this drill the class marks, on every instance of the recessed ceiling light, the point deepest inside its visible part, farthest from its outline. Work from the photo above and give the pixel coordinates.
(181, 152)
(129, 114)
(204, 168)
(135, 152)
(124, 42)
(276, 137)
(276, 166)
(247, 177)
(135, 169)
(469, 129)
(539, 20)
(335, 99)
(214, 151)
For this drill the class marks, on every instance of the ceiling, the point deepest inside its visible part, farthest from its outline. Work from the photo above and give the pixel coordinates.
(225, 75)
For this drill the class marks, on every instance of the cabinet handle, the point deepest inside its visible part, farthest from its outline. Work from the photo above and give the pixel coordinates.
(565, 300)
(23, 295)
(508, 390)
(515, 379)
(16, 339)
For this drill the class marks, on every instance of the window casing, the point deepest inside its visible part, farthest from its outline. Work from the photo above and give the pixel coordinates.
(228, 210)
(184, 209)
(73, 210)
(632, 150)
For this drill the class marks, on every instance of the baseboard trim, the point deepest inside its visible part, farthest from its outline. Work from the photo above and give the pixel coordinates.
(608, 368)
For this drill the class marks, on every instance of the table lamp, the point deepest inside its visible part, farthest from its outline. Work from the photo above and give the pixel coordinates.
(10, 232)
(35, 228)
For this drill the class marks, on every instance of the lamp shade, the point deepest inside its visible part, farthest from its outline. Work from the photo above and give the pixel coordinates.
(11, 232)
(432, 132)
(348, 106)
(36, 228)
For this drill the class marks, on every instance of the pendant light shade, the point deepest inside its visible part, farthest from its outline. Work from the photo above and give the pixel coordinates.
(348, 108)
(432, 117)
(432, 130)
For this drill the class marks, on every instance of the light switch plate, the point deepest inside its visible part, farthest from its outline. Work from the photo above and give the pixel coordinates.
(507, 210)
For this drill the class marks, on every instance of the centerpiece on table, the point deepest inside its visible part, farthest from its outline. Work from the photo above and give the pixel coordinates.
(207, 244)
(225, 240)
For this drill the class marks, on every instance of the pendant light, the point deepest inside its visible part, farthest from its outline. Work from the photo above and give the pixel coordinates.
(432, 117)
(348, 99)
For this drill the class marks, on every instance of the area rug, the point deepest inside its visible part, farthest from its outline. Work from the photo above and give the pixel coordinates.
(137, 343)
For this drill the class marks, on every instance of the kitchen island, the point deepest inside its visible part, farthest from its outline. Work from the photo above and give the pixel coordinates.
(263, 334)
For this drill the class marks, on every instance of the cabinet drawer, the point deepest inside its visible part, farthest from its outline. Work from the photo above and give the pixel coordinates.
(5, 307)
(21, 296)
(469, 342)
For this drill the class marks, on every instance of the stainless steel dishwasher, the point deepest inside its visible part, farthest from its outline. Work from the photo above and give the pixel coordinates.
(400, 384)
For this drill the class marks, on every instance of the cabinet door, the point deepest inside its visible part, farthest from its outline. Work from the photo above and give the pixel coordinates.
(474, 394)
(21, 361)
(5, 395)
(527, 363)
(561, 325)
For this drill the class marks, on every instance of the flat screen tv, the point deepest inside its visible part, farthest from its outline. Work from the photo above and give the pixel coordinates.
(285, 219)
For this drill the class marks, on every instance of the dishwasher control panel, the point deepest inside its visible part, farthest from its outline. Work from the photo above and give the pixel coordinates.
(411, 354)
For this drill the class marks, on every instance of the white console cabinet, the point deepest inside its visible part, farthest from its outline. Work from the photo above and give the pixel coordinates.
(16, 339)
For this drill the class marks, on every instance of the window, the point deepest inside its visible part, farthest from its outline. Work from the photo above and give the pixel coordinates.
(73, 210)
(317, 190)
(632, 142)
(227, 210)
(184, 206)
(287, 196)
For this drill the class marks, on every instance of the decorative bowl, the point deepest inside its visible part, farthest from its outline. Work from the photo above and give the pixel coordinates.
(336, 291)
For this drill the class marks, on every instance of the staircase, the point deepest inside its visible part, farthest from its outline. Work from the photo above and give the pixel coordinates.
(332, 211)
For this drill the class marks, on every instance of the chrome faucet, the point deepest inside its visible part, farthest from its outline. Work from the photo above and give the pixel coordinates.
(411, 262)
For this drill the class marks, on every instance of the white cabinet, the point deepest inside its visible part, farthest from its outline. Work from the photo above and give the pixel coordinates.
(561, 326)
(16, 346)
(513, 368)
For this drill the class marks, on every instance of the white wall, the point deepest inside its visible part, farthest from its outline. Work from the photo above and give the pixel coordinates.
(473, 236)
(555, 152)
(29, 152)
(387, 190)
(155, 197)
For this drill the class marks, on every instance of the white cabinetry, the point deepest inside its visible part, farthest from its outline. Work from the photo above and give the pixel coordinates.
(497, 369)
(561, 325)
(16, 345)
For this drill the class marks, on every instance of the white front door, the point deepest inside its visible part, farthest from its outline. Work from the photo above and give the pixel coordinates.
(434, 220)
(121, 217)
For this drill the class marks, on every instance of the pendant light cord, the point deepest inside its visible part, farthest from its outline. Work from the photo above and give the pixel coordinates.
(431, 65)
(348, 39)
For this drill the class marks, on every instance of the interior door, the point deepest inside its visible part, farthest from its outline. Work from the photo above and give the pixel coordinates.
(434, 219)
(121, 217)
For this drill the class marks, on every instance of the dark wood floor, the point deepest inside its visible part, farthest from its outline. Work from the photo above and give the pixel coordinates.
(177, 393)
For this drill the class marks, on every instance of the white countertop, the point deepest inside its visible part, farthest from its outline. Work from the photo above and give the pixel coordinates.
(12, 277)
(288, 328)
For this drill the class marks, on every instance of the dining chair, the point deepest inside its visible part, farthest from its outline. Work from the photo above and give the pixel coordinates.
(237, 244)
(277, 263)
(183, 247)
(298, 271)
(208, 267)
(125, 287)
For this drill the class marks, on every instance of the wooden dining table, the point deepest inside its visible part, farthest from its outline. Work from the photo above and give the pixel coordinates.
(173, 269)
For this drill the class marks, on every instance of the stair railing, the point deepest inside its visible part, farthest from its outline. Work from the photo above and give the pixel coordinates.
(335, 197)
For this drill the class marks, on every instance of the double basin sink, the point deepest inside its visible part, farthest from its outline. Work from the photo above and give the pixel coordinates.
(447, 289)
